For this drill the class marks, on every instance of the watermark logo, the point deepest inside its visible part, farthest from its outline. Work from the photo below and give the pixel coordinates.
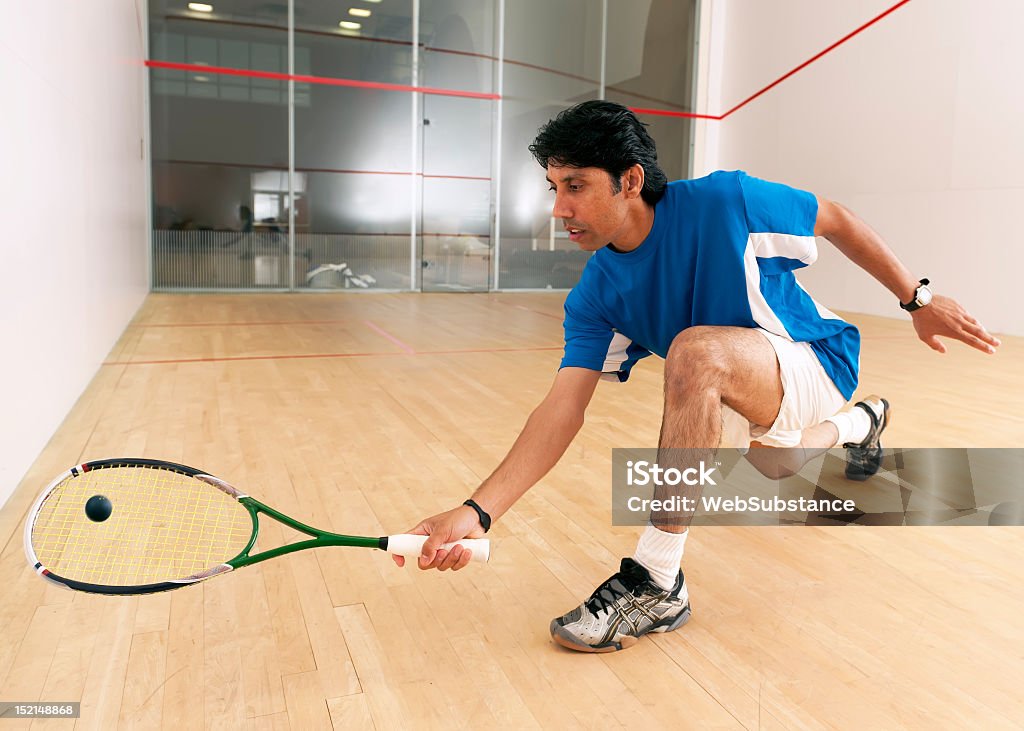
(947, 486)
(642, 473)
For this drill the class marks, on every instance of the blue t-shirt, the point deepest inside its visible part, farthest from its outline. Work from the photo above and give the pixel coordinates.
(722, 251)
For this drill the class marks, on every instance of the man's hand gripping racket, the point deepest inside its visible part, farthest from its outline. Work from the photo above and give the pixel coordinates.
(447, 536)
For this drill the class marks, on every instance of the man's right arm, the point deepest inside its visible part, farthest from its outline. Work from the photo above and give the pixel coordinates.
(547, 434)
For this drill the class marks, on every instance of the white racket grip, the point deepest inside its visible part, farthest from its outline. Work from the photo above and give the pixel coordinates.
(410, 546)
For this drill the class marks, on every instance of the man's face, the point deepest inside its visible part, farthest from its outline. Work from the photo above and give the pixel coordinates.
(592, 214)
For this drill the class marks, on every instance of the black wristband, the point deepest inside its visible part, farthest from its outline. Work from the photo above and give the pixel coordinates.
(485, 519)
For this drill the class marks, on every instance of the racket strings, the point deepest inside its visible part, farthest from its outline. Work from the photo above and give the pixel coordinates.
(164, 525)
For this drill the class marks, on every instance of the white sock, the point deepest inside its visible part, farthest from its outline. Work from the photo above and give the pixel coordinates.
(660, 553)
(853, 426)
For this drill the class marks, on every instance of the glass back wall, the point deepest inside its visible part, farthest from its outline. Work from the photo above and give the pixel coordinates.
(382, 144)
(354, 145)
(219, 149)
(458, 54)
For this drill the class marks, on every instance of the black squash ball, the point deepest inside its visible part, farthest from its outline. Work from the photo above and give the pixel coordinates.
(98, 508)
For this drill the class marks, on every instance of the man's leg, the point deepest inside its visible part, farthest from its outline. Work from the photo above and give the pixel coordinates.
(706, 367)
(779, 463)
(859, 430)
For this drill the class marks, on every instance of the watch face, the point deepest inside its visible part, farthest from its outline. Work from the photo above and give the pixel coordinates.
(924, 295)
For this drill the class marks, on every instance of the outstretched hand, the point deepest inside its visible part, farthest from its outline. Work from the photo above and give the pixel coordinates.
(947, 318)
(462, 522)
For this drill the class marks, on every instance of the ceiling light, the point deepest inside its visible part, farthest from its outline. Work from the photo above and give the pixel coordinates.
(350, 25)
(359, 12)
(201, 79)
(200, 7)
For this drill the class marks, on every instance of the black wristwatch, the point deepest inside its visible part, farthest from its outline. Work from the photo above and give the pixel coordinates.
(922, 297)
(485, 519)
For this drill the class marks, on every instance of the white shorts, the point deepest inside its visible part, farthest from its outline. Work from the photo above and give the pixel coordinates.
(808, 398)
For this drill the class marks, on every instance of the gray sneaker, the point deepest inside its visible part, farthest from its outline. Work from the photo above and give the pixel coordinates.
(621, 610)
(864, 458)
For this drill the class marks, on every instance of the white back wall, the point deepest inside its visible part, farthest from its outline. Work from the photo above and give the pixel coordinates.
(73, 203)
(914, 124)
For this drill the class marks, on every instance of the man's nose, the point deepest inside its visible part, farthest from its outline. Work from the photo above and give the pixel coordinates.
(561, 209)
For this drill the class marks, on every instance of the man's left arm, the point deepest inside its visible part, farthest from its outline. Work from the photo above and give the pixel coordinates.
(944, 316)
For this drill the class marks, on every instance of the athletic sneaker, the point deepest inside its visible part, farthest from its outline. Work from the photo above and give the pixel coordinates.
(863, 459)
(622, 609)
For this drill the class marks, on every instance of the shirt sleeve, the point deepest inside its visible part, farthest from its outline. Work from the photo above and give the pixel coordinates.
(780, 222)
(592, 343)
(586, 337)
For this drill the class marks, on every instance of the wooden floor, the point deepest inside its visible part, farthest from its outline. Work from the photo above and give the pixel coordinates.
(366, 413)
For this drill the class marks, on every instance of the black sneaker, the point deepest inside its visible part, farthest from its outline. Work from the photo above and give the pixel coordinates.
(621, 610)
(863, 459)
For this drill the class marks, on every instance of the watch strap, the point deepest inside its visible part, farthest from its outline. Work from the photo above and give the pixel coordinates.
(913, 304)
(485, 519)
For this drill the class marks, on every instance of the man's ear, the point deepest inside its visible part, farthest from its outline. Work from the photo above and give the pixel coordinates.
(633, 181)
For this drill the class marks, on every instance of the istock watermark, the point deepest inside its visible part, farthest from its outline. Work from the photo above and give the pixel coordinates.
(642, 473)
(784, 487)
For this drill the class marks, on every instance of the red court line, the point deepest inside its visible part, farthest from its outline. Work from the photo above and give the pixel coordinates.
(682, 115)
(270, 323)
(814, 58)
(229, 359)
(405, 234)
(755, 95)
(453, 177)
(334, 81)
(478, 95)
(538, 348)
(281, 168)
(316, 170)
(388, 336)
(253, 323)
(527, 309)
(327, 80)
(451, 51)
(530, 309)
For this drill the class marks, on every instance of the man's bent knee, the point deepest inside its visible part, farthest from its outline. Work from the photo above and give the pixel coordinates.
(697, 358)
(737, 365)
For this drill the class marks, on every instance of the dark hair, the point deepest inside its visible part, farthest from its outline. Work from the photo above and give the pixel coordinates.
(606, 135)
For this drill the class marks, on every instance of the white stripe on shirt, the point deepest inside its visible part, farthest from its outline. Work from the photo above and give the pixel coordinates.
(762, 313)
(789, 246)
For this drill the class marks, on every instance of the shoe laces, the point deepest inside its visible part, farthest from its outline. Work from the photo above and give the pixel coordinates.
(859, 455)
(614, 588)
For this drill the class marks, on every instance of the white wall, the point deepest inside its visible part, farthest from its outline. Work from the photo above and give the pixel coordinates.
(915, 124)
(73, 206)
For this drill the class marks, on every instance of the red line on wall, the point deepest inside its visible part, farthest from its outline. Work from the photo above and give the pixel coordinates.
(435, 49)
(353, 83)
(671, 113)
(318, 170)
(805, 64)
(452, 177)
(405, 235)
(814, 58)
(326, 80)
(331, 81)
